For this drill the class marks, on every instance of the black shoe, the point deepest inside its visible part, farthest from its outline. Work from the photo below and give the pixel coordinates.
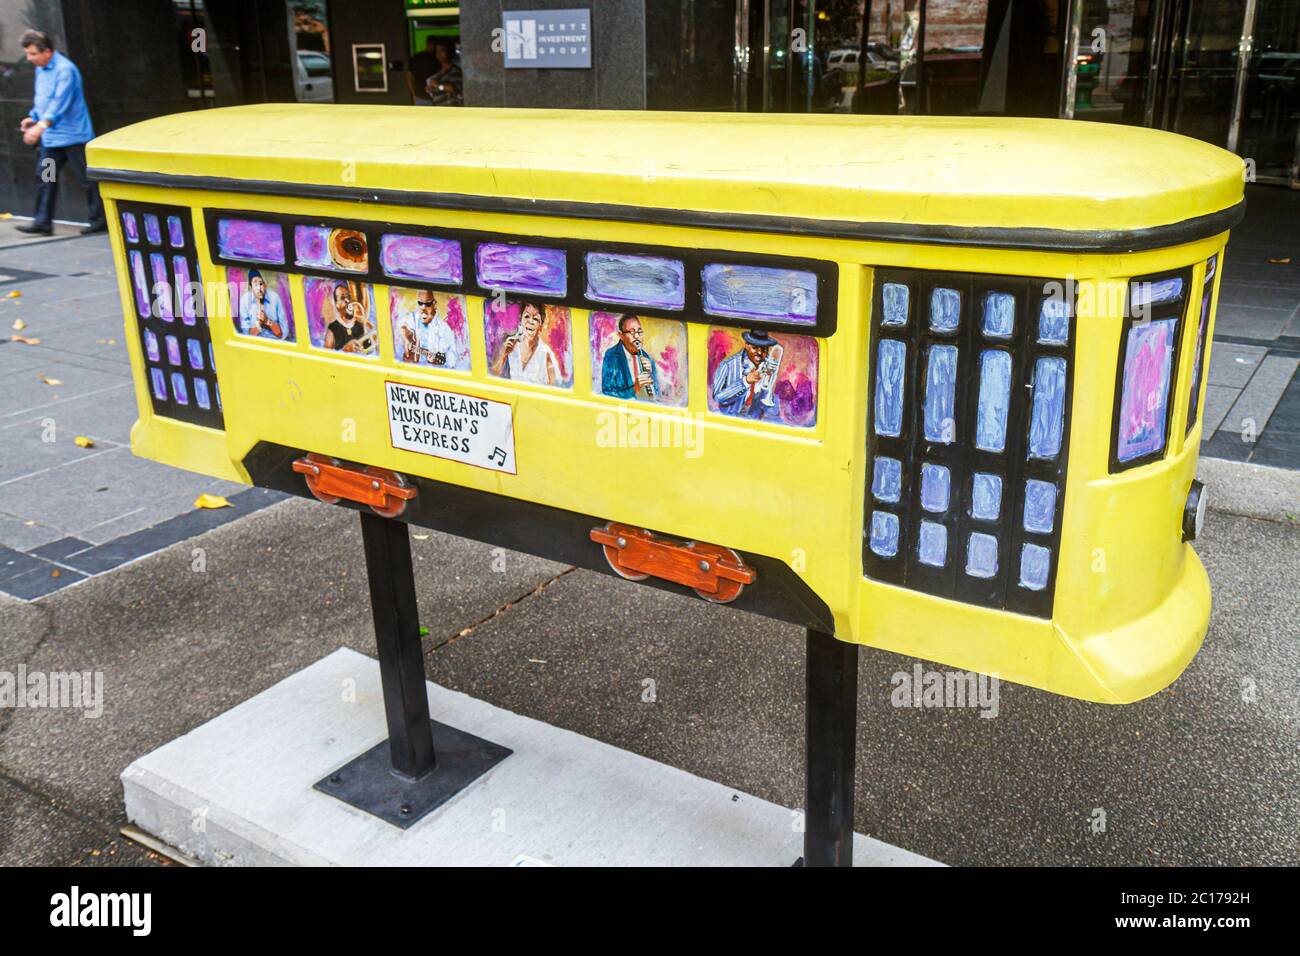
(34, 230)
(95, 227)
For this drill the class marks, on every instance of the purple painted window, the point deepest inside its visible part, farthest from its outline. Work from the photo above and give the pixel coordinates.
(151, 346)
(159, 384)
(528, 269)
(249, 239)
(175, 231)
(140, 281)
(1144, 401)
(173, 350)
(1195, 400)
(636, 280)
(760, 292)
(421, 257)
(194, 349)
(179, 391)
(201, 394)
(130, 227)
(152, 231)
(181, 270)
(162, 288)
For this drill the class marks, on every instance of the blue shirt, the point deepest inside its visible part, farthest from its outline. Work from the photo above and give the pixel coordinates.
(274, 308)
(733, 395)
(60, 102)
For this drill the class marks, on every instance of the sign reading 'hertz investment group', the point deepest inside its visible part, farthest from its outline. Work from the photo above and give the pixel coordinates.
(550, 39)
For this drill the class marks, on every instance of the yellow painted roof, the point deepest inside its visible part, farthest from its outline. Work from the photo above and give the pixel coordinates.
(910, 170)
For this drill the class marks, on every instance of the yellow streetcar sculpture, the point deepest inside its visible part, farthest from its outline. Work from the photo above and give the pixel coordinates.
(930, 385)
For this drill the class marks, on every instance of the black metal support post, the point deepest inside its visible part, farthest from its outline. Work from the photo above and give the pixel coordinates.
(423, 763)
(397, 633)
(831, 733)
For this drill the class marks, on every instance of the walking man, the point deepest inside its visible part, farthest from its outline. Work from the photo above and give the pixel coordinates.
(59, 127)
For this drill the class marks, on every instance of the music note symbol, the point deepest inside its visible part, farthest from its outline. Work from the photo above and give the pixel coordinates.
(498, 451)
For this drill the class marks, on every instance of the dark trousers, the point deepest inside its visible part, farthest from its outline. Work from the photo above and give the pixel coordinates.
(48, 175)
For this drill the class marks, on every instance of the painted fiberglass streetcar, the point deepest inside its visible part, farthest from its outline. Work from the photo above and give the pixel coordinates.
(930, 385)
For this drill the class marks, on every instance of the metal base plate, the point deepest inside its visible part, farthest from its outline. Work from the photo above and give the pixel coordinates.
(370, 784)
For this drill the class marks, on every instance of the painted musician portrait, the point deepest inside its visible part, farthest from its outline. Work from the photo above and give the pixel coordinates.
(628, 370)
(524, 355)
(348, 328)
(744, 383)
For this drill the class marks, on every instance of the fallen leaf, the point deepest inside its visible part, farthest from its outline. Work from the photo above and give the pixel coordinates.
(424, 631)
(211, 501)
(83, 442)
(25, 340)
(50, 381)
(19, 325)
(1281, 262)
(15, 294)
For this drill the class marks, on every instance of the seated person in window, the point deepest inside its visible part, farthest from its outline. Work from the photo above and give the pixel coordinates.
(349, 331)
(628, 371)
(524, 357)
(741, 380)
(424, 338)
(260, 310)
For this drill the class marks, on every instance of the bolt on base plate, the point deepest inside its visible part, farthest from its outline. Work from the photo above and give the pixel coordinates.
(369, 782)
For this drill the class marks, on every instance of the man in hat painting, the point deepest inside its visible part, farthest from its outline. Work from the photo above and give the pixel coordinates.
(738, 384)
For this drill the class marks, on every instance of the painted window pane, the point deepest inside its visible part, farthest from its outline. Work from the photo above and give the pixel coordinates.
(338, 250)
(140, 282)
(760, 292)
(982, 555)
(130, 228)
(1195, 400)
(173, 350)
(999, 315)
(945, 310)
(1040, 506)
(151, 346)
(421, 257)
(249, 239)
(184, 291)
(887, 479)
(1144, 401)
(1143, 295)
(1035, 563)
(159, 384)
(1211, 265)
(1054, 322)
(152, 231)
(175, 231)
(932, 545)
(201, 394)
(986, 496)
(935, 486)
(940, 394)
(884, 534)
(521, 268)
(1048, 417)
(889, 387)
(895, 297)
(179, 391)
(636, 280)
(162, 287)
(994, 400)
(194, 351)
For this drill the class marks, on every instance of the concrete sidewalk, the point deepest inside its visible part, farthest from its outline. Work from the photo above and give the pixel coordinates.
(1202, 773)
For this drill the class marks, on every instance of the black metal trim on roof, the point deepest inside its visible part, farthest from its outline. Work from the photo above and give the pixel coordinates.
(1000, 237)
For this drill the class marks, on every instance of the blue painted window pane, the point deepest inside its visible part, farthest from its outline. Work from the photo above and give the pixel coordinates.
(760, 292)
(636, 280)
(1035, 562)
(945, 309)
(201, 393)
(932, 546)
(175, 231)
(986, 496)
(935, 485)
(521, 268)
(159, 384)
(884, 534)
(940, 393)
(194, 349)
(1144, 398)
(1146, 294)
(179, 391)
(173, 349)
(895, 297)
(130, 227)
(151, 346)
(1054, 322)
(999, 315)
(887, 479)
(994, 401)
(982, 555)
(889, 387)
(1040, 506)
(152, 230)
(250, 239)
(1048, 417)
